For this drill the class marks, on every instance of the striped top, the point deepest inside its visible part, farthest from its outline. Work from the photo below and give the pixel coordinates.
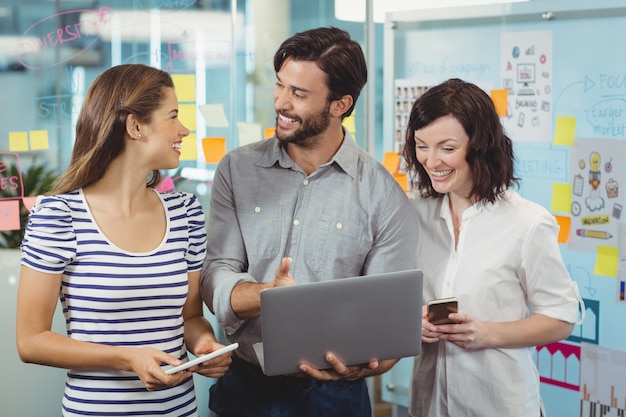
(119, 298)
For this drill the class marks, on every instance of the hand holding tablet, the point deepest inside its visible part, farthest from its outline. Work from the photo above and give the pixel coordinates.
(202, 358)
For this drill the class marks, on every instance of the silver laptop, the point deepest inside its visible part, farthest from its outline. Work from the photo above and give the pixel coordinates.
(358, 319)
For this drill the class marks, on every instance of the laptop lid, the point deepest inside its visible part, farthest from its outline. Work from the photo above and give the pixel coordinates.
(358, 319)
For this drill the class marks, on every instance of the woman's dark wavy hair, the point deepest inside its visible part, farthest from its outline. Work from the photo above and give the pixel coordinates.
(490, 150)
(101, 127)
(340, 57)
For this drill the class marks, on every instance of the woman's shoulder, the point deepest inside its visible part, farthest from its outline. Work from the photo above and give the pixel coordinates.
(65, 202)
(186, 201)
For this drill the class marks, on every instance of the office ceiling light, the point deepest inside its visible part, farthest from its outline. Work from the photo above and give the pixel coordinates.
(354, 10)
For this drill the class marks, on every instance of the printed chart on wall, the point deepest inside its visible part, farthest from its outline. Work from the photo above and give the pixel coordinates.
(603, 393)
(527, 75)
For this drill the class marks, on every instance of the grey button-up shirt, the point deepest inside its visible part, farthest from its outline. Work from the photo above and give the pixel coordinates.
(349, 218)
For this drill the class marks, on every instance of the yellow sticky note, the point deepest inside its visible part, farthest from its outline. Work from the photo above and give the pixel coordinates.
(185, 86)
(189, 148)
(10, 215)
(187, 115)
(214, 149)
(564, 130)
(561, 198)
(500, 98)
(18, 141)
(349, 124)
(39, 140)
(565, 225)
(606, 261)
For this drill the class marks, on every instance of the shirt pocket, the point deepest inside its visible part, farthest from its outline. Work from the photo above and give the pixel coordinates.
(261, 232)
(336, 247)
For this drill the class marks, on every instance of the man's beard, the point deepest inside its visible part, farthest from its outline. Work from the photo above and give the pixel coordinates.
(306, 134)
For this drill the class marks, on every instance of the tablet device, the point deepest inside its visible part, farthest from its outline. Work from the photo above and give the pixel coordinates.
(202, 358)
(359, 319)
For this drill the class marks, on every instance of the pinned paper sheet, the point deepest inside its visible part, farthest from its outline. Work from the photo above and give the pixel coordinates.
(39, 140)
(29, 202)
(214, 115)
(10, 215)
(391, 161)
(189, 148)
(500, 99)
(18, 141)
(269, 132)
(564, 130)
(249, 132)
(214, 149)
(606, 261)
(185, 86)
(561, 198)
(565, 225)
(187, 116)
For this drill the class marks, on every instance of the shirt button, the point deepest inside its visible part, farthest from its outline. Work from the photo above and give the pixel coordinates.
(296, 222)
(257, 209)
(305, 182)
(339, 226)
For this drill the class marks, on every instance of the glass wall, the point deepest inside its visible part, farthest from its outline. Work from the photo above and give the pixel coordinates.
(219, 52)
(220, 55)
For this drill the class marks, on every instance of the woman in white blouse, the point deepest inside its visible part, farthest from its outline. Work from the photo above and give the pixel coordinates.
(495, 251)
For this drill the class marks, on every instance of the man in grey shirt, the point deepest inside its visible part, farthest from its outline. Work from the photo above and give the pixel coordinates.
(306, 205)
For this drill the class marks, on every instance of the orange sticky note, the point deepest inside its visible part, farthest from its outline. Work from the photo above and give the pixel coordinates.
(214, 149)
(269, 132)
(10, 215)
(565, 225)
(391, 161)
(403, 180)
(500, 99)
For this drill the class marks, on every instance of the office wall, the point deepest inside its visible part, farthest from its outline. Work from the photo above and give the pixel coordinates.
(561, 80)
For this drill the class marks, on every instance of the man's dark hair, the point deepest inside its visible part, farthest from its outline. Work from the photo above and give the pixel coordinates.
(335, 53)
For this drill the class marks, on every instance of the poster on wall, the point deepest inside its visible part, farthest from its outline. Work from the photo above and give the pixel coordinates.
(602, 384)
(407, 91)
(526, 72)
(598, 172)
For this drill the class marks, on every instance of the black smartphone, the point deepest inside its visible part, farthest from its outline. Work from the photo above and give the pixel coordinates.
(439, 309)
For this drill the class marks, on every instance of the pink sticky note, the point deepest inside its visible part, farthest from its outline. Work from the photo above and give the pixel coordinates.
(10, 215)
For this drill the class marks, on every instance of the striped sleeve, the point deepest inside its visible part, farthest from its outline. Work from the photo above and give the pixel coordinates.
(197, 232)
(49, 242)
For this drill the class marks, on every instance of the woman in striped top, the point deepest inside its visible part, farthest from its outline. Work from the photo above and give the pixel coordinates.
(123, 258)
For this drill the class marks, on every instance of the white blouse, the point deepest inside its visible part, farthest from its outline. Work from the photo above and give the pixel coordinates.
(507, 265)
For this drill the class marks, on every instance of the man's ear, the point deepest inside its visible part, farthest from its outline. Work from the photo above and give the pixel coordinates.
(132, 127)
(340, 106)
